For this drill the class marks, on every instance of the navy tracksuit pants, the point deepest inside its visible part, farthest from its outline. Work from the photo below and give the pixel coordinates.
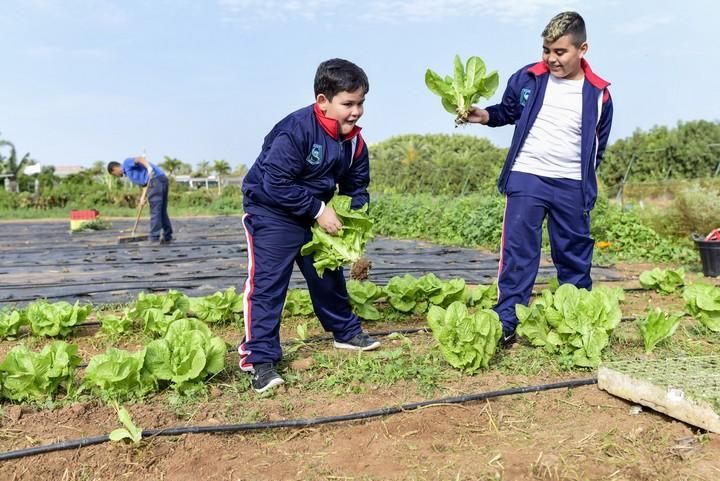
(273, 247)
(530, 198)
(157, 196)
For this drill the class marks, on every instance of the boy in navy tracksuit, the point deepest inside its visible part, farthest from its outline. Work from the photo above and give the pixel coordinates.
(303, 159)
(562, 113)
(141, 172)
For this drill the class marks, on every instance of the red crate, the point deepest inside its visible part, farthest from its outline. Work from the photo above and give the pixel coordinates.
(84, 214)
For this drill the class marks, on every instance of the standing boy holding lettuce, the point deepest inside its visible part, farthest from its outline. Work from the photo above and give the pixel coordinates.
(562, 113)
(303, 159)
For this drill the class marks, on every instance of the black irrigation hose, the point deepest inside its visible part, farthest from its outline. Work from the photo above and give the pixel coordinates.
(297, 423)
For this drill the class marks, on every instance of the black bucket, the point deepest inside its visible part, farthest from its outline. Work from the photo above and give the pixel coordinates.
(709, 255)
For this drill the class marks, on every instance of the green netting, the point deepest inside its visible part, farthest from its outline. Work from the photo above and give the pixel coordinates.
(697, 377)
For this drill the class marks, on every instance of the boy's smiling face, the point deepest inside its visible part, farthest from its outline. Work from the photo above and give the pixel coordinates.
(563, 57)
(345, 107)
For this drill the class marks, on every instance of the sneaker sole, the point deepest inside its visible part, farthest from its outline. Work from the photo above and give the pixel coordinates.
(274, 383)
(342, 345)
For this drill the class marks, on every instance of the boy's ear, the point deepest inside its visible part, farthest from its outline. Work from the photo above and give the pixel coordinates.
(583, 49)
(322, 102)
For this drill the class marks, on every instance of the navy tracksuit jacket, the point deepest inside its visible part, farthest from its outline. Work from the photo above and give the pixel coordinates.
(529, 198)
(303, 159)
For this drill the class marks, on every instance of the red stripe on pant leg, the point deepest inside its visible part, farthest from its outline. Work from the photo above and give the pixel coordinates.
(502, 246)
(247, 293)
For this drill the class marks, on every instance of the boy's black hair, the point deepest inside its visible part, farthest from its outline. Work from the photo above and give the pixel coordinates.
(338, 75)
(566, 23)
(112, 165)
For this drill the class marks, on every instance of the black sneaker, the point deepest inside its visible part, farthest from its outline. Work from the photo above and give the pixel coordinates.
(361, 342)
(265, 377)
(508, 339)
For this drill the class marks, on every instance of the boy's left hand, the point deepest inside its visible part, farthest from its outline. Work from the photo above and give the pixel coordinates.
(329, 221)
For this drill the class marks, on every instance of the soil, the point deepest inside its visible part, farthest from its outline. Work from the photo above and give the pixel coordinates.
(568, 434)
(360, 270)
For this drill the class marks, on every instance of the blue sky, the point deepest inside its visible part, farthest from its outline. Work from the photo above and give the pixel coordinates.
(87, 80)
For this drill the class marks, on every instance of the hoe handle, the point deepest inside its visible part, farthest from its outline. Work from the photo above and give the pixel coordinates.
(140, 208)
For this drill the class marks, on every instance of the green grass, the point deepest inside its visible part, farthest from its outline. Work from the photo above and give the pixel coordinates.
(105, 212)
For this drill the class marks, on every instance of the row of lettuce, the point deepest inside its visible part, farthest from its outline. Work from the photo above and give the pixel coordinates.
(182, 352)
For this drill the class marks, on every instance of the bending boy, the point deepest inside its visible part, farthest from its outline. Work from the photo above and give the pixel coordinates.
(141, 172)
(302, 160)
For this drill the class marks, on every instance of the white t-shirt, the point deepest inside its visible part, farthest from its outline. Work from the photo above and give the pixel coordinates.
(552, 147)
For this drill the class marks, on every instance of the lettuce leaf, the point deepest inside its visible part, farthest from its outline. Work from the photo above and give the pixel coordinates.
(664, 281)
(702, 301)
(119, 374)
(28, 375)
(186, 355)
(334, 251)
(221, 307)
(362, 294)
(482, 296)
(469, 84)
(158, 311)
(298, 303)
(10, 322)
(656, 326)
(56, 319)
(467, 341)
(574, 323)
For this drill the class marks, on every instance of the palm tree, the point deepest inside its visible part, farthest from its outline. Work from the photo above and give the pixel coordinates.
(11, 165)
(203, 170)
(171, 164)
(222, 169)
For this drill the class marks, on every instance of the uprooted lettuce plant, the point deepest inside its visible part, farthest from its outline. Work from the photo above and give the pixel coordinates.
(362, 295)
(57, 319)
(36, 376)
(664, 281)
(333, 251)
(186, 355)
(702, 301)
(467, 340)
(221, 307)
(466, 87)
(574, 323)
(657, 326)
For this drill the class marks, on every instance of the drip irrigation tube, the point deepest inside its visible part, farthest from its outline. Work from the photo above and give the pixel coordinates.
(297, 423)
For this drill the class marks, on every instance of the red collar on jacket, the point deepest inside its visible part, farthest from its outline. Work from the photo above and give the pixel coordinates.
(332, 126)
(594, 79)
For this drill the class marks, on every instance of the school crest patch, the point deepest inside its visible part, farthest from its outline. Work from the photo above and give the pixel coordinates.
(315, 155)
(524, 96)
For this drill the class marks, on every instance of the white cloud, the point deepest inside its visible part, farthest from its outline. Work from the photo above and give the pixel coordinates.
(252, 11)
(643, 24)
(103, 12)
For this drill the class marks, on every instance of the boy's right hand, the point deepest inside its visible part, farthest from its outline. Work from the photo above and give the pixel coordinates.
(329, 221)
(478, 116)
